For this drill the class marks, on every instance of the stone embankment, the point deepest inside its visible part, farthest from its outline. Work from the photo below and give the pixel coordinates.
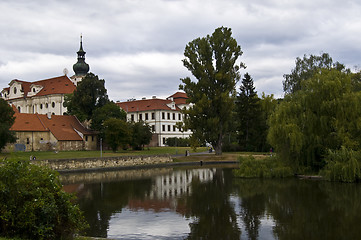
(104, 163)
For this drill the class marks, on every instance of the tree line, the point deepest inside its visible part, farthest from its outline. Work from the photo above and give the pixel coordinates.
(315, 128)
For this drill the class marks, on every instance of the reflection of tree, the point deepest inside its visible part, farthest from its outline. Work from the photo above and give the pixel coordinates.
(252, 204)
(209, 203)
(103, 199)
(301, 209)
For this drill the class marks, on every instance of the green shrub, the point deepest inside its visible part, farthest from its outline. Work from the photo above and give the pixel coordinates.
(342, 165)
(269, 167)
(178, 142)
(33, 204)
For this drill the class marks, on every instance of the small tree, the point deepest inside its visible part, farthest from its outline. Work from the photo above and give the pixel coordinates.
(141, 135)
(7, 120)
(33, 204)
(109, 110)
(117, 133)
(212, 61)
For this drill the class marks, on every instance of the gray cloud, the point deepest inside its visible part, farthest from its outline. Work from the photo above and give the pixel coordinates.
(137, 46)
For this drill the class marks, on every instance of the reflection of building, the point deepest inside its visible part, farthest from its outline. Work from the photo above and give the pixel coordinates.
(179, 182)
(45, 96)
(162, 115)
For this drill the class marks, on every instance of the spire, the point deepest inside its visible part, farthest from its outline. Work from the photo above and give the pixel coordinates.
(81, 68)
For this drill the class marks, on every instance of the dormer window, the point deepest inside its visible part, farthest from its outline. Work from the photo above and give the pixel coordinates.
(33, 89)
(15, 90)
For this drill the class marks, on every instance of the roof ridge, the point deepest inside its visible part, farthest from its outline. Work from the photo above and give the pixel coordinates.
(37, 115)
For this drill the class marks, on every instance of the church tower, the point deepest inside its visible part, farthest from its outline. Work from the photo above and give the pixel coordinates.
(81, 68)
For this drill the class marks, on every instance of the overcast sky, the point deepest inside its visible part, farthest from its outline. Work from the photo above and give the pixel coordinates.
(137, 45)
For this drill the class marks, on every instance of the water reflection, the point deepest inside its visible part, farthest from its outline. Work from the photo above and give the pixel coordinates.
(208, 203)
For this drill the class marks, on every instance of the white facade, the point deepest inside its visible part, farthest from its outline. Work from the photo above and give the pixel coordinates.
(162, 115)
(42, 97)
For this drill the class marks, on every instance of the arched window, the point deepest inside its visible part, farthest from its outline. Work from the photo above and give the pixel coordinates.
(19, 108)
(15, 90)
(46, 105)
(53, 104)
(41, 106)
(33, 89)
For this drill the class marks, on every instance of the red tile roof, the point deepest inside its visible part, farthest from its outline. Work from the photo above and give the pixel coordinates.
(179, 98)
(56, 85)
(25, 122)
(62, 127)
(145, 105)
(154, 103)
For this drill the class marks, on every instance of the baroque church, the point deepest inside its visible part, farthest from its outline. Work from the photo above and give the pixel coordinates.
(45, 96)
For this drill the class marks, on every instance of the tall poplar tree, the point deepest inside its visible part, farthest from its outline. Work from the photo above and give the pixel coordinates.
(212, 61)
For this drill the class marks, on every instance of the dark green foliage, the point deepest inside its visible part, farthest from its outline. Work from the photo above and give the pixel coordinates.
(212, 61)
(118, 133)
(141, 135)
(343, 165)
(89, 95)
(7, 120)
(33, 204)
(109, 110)
(306, 68)
(262, 168)
(178, 142)
(249, 118)
(324, 115)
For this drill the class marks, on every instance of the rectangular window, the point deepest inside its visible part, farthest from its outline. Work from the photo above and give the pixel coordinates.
(168, 128)
(168, 115)
(163, 128)
(132, 117)
(146, 116)
(86, 138)
(153, 128)
(140, 117)
(164, 141)
(179, 116)
(153, 116)
(174, 128)
(173, 116)
(163, 115)
(27, 140)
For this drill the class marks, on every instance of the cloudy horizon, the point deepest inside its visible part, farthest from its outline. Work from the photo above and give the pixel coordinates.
(137, 46)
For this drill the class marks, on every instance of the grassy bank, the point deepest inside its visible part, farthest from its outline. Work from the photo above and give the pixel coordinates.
(91, 154)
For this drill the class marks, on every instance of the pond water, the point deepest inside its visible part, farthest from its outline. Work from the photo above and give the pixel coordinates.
(209, 203)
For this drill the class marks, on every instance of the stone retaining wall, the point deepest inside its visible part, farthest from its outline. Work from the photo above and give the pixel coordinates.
(104, 162)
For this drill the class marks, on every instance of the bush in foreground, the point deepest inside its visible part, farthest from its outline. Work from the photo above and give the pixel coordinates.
(33, 204)
(269, 167)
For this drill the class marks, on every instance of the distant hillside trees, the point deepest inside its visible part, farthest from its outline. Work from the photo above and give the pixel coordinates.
(7, 120)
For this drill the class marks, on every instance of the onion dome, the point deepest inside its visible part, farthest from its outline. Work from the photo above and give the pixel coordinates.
(81, 68)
